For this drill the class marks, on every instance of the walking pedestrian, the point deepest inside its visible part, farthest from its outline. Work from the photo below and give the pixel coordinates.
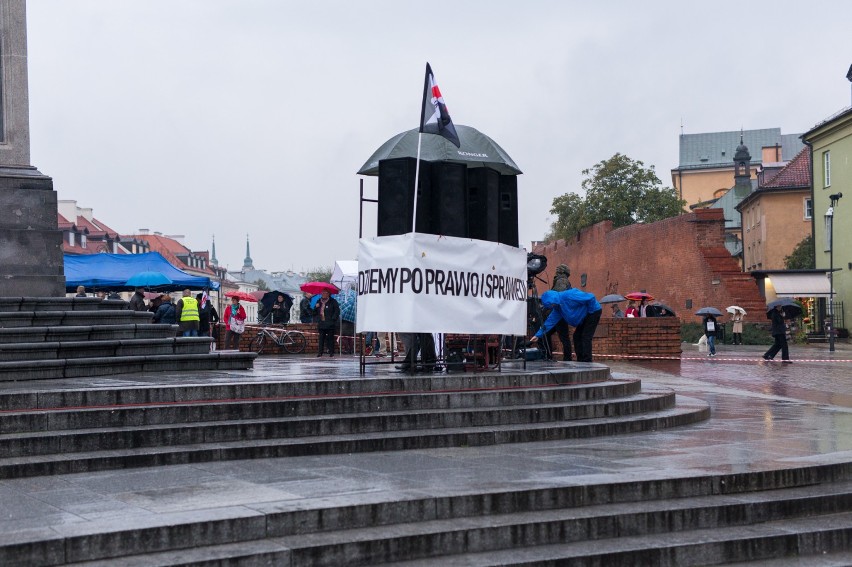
(710, 332)
(778, 330)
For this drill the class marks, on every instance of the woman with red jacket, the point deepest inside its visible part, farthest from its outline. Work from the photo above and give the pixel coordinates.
(234, 318)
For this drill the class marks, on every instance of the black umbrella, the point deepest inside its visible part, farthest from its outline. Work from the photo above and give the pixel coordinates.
(791, 308)
(269, 298)
(709, 311)
(659, 310)
(477, 150)
(611, 298)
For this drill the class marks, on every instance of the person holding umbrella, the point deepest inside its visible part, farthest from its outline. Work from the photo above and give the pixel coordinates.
(327, 316)
(778, 330)
(710, 325)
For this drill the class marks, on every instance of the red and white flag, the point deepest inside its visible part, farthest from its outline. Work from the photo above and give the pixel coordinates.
(434, 118)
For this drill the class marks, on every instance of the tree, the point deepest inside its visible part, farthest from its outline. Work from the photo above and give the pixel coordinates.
(261, 284)
(618, 189)
(802, 256)
(321, 274)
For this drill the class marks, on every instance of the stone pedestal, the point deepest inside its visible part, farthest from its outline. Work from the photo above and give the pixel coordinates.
(30, 242)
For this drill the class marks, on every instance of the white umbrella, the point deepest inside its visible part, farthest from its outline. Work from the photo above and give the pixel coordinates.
(734, 308)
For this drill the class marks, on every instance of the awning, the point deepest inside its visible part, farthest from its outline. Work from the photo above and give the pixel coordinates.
(800, 285)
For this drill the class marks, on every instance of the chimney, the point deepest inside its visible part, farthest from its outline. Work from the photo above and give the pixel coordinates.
(176, 237)
(87, 213)
(143, 231)
(68, 209)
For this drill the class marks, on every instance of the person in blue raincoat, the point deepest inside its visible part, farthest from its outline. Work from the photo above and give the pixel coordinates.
(580, 310)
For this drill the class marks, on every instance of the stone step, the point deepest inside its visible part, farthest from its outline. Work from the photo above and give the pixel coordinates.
(86, 333)
(105, 366)
(807, 539)
(223, 409)
(59, 304)
(190, 389)
(734, 517)
(260, 553)
(11, 319)
(323, 424)
(687, 411)
(99, 348)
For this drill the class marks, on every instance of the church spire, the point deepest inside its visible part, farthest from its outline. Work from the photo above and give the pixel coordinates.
(247, 263)
(213, 260)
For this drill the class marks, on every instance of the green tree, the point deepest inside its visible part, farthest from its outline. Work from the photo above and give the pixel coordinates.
(320, 274)
(618, 189)
(261, 284)
(802, 256)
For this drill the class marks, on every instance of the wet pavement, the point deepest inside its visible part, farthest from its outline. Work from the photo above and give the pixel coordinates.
(765, 415)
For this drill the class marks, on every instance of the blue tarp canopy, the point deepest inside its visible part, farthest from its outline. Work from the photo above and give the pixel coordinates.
(110, 272)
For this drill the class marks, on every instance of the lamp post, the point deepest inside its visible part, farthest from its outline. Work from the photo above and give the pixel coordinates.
(829, 220)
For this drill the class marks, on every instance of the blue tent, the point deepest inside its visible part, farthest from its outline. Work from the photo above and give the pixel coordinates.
(102, 272)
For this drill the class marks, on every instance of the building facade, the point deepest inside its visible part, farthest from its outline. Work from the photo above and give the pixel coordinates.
(777, 215)
(830, 144)
(705, 170)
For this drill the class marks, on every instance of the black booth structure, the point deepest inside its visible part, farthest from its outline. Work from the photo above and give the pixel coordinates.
(466, 192)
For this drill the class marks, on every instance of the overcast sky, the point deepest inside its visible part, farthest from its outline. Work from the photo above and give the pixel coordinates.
(230, 117)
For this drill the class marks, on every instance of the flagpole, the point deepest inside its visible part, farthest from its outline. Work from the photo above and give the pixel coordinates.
(416, 184)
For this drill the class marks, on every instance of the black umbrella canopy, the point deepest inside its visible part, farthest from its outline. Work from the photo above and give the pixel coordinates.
(270, 297)
(791, 308)
(477, 150)
(659, 310)
(709, 311)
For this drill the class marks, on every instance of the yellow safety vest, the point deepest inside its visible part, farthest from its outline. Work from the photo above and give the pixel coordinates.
(189, 312)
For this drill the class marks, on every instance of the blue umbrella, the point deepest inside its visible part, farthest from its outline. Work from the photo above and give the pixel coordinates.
(148, 279)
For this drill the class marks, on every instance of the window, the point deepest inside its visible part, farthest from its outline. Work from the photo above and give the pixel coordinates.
(82, 241)
(826, 168)
(809, 209)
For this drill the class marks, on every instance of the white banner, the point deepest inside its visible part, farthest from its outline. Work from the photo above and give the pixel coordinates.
(424, 283)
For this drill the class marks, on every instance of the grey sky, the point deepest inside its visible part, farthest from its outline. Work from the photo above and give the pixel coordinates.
(252, 116)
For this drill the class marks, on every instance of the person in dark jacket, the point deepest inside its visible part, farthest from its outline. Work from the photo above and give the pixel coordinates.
(778, 330)
(306, 314)
(327, 316)
(207, 316)
(166, 313)
(137, 301)
(280, 310)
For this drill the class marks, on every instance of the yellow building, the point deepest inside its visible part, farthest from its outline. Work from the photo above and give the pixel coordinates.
(706, 166)
(777, 215)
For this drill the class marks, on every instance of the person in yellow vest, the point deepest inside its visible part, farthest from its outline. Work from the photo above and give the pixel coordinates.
(187, 314)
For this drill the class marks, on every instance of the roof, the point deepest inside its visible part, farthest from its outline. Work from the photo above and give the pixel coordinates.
(842, 113)
(797, 173)
(170, 249)
(729, 201)
(717, 149)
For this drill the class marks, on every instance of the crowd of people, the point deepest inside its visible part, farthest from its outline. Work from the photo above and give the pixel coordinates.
(564, 308)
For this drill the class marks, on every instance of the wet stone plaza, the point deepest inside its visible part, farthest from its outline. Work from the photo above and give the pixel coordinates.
(764, 416)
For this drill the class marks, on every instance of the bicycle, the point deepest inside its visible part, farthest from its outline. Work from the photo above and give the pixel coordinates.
(291, 341)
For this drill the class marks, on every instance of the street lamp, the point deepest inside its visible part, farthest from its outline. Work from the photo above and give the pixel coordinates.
(829, 221)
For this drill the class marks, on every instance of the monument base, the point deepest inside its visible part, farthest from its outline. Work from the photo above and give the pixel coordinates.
(30, 242)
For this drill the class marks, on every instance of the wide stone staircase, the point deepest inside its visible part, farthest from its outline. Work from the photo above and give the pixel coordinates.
(704, 519)
(58, 337)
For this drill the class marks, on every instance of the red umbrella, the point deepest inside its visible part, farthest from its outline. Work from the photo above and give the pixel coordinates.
(639, 296)
(318, 287)
(242, 296)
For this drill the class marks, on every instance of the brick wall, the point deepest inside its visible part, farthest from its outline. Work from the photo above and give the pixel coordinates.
(676, 260)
